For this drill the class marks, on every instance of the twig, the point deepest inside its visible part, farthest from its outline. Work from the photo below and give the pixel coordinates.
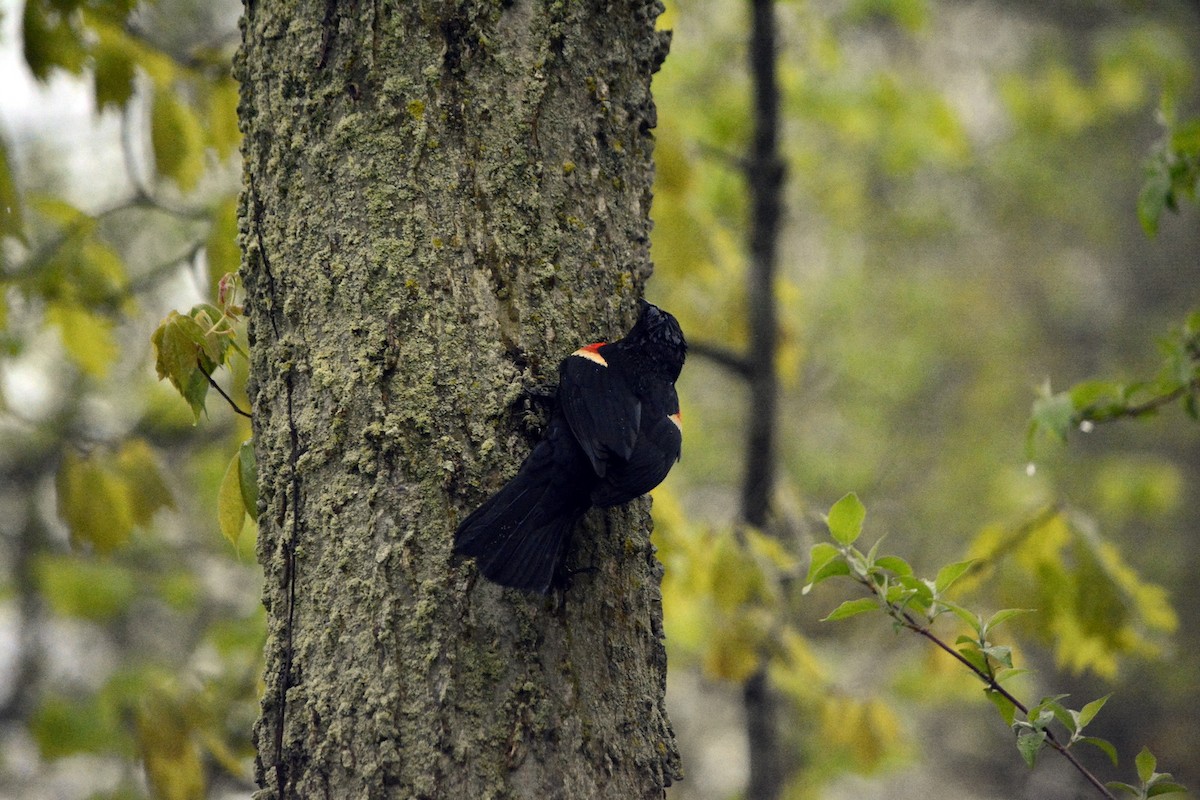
(221, 392)
(722, 357)
(1141, 409)
(908, 621)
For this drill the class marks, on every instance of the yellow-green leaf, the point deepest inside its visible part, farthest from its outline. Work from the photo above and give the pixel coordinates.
(177, 140)
(221, 246)
(950, 573)
(223, 133)
(248, 478)
(846, 519)
(87, 337)
(138, 467)
(169, 751)
(733, 650)
(231, 507)
(113, 68)
(98, 274)
(1146, 764)
(93, 502)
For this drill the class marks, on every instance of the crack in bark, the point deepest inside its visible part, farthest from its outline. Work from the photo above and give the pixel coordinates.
(291, 503)
(329, 26)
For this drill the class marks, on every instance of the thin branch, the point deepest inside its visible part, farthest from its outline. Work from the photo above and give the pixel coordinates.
(140, 187)
(722, 357)
(723, 156)
(221, 392)
(907, 620)
(1142, 409)
(164, 269)
(1018, 535)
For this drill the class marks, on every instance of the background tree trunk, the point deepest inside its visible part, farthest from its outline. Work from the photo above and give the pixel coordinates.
(441, 201)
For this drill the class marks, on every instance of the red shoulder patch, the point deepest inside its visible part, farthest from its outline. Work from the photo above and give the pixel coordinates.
(592, 353)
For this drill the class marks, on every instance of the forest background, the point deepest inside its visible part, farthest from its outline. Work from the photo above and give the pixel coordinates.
(974, 221)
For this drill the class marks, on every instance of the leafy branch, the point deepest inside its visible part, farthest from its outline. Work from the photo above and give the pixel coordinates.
(1092, 403)
(915, 603)
(1172, 172)
(190, 347)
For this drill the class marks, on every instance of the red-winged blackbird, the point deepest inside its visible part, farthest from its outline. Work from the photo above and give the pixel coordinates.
(614, 434)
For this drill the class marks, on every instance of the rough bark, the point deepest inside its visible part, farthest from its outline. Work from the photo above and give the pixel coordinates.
(442, 199)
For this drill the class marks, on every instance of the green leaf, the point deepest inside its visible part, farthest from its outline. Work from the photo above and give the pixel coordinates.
(1002, 616)
(62, 727)
(1029, 743)
(84, 588)
(1124, 787)
(179, 343)
(52, 41)
(231, 507)
(177, 140)
(966, 615)
(1156, 192)
(1000, 653)
(948, 574)
(1008, 673)
(975, 658)
(1145, 762)
(825, 561)
(922, 591)
(1185, 138)
(1052, 414)
(1008, 711)
(248, 478)
(851, 608)
(1104, 745)
(1089, 711)
(1164, 788)
(845, 519)
(894, 564)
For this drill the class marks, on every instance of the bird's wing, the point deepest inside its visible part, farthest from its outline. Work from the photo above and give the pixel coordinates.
(600, 405)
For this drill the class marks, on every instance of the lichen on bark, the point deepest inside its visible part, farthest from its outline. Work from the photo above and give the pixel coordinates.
(441, 201)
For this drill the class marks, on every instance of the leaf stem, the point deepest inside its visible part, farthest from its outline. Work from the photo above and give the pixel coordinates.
(221, 392)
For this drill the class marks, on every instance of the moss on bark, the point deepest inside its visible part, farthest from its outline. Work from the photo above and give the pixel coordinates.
(441, 201)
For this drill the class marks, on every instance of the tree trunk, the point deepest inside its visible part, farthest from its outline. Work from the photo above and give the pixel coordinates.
(442, 200)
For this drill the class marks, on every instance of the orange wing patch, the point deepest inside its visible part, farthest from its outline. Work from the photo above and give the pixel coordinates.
(677, 418)
(592, 353)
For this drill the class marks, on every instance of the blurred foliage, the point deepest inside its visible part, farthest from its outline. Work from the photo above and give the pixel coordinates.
(915, 604)
(967, 188)
(136, 627)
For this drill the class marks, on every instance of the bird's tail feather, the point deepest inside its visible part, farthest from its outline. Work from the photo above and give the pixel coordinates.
(519, 536)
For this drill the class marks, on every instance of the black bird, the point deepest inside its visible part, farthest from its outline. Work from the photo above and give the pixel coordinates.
(614, 435)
